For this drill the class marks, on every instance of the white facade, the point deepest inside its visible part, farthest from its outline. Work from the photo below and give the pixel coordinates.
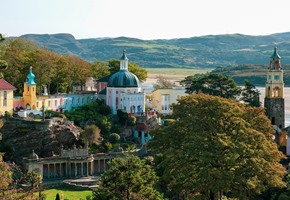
(130, 99)
(133, 102)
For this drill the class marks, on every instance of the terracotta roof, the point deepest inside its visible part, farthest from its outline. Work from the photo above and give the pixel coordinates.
(4, 85)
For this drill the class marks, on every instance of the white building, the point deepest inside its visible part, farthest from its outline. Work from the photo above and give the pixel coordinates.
(124, 90)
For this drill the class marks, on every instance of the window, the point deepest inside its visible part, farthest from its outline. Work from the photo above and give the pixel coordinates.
(269, 78)
(37, 104)
(276, 77)
(117, 102)
(5, 98)
(165, 97)
(55, 102)
(48, 103)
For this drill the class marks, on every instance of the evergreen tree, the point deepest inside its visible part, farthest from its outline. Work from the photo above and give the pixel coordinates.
(212, 84)
(250, 95)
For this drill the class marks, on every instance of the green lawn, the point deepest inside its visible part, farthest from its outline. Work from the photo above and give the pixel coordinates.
(67, 194)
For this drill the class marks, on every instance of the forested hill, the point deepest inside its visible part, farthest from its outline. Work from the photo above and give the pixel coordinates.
(206, 51)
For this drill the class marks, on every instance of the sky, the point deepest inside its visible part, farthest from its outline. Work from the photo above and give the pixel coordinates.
(144, 19)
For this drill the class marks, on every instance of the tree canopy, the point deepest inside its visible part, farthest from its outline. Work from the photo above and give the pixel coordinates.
(127, 178)
(212, 84)
(58, 72)
(218, 147)
(8, 190)
(55, 71)
(250, 95)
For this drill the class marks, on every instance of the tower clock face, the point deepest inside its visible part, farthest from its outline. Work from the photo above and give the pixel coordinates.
(277, 107)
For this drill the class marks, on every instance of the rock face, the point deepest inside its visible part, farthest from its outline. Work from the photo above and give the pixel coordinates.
(21, 137)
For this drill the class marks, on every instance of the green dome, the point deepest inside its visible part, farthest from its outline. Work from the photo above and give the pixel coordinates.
(31, 78)
(123, 78)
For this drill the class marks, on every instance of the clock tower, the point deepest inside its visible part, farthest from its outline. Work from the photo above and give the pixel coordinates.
(274, 92)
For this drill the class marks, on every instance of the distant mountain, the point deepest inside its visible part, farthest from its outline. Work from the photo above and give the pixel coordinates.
(206, 51)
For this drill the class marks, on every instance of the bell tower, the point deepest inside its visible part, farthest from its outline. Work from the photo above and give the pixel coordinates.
(274, 92)
(29, 93)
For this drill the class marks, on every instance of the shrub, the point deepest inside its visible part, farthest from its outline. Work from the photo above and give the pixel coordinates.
(108, 146)
(114, 138)
(131, 121)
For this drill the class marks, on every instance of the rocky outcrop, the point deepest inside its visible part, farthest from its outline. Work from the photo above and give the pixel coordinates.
(21, 137)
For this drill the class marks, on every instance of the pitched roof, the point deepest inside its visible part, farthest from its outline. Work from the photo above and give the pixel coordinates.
(104, 91)
(4, 85)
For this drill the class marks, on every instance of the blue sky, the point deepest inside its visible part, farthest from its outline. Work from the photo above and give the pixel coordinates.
(144, 19)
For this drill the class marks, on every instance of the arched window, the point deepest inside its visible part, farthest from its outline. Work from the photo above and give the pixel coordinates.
(276, 92)
(132, 109)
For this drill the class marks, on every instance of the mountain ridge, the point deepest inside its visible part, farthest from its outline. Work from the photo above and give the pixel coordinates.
(208, 51)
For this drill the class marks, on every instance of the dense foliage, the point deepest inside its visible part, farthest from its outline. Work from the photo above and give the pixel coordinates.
(128, 178)
(96, 113)
(216, 148)
(58, 72)
(212, 84)
(8, 186)
(251, 95)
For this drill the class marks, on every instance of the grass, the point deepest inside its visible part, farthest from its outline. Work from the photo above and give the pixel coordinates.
(66, 193)
(176, 71)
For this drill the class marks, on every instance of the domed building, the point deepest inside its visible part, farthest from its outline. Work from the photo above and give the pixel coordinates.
(124, 91)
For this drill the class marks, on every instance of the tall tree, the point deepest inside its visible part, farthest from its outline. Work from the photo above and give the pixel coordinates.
(162, 82)
(127, 178)
(212, 84)
(250, 95)
(100, 69)
(218, 147)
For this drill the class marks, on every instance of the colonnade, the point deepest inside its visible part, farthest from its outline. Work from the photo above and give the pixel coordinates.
(74, 168)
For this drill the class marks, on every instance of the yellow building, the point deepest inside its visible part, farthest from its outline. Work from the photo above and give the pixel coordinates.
(29, 93)
(6, 96)
(162, 99)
